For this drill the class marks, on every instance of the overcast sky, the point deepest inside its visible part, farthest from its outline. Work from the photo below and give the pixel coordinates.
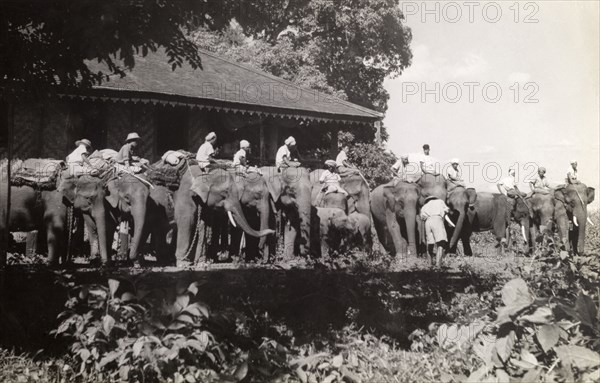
(554, 59)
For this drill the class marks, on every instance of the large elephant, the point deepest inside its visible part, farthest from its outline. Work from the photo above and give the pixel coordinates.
(330, 226)
(199, 193)
(571, 206)
(534, 214)
(290, 188)
(45, 211)
(358, 199)
(459, 199)
(394, 207)
(487, 214)
(255, 200)
(160, 224)
(104, 201)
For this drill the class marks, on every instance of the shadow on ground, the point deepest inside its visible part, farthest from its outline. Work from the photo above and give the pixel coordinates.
(311, 303)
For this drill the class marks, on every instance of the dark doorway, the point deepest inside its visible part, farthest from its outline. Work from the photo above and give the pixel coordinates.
(172, 133)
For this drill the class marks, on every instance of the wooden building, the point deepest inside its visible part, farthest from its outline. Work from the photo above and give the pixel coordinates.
(176, 109)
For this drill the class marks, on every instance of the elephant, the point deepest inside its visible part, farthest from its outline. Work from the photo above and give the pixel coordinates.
(535, 215)
(39, 210)
(160, 224)
(290, 189)
(197, 200)
(256, 204)
(330, 227)
(459, 199)
(358, 193)
(104, 201)
(361, 236)
(571, 205)
(487, 214)
(394, 207)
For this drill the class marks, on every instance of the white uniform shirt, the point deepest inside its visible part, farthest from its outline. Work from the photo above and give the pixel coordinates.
(434, 207)
(75, 156)
(429, 163)
(204, 153)
(454, 174)
(237, 157)
(508, 183)
(573, 173)
(410, 172)
(283, 151)
(341, 157)
(330, 177)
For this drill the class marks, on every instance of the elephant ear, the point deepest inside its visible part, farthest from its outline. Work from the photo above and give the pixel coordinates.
(274, 185)
(68, 189)
(201, 187)
(591, 192)
(472, 194)
(112, 195)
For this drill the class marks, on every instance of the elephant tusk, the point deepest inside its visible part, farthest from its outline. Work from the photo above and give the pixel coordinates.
(449, 221)
(231, 218)
(523, 232)
(575, 221)
(590, 221)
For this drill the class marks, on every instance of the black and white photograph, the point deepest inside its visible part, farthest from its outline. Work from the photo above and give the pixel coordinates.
(299, 191)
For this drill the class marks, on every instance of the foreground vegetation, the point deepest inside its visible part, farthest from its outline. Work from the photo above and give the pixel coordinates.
(527, 319)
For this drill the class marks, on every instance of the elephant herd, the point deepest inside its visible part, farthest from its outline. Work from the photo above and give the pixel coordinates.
(174, 207)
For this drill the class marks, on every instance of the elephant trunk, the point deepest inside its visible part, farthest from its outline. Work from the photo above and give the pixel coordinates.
(457, 230)
(263, 211)
(99, 216)
(579, 240)
(236, 210)
(410, 219)
(138, 214)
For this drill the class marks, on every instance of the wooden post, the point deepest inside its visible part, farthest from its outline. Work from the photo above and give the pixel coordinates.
(263, 151)
(333, 149)
(5, 186)
(377, 125)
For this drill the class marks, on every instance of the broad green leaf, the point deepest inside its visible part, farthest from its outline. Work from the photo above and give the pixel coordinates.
(586, 310)
(542, 315)
(195, 344)
(301, 375)
(504, 345)
(531, 376)
(528, 357)
(184, 318)
(516, 293)
(591, 377)
(578, 356)
(113, 285)
(329, 379)
(502, 376)
(190, 378)
(127, 296)
(484, 349)
(108, 358)
(478, 375)
(137, 347)
(124, 372)
(84, 354)
(181, 302)
(241, 372)
(108, 322)
(337, 361)
(547, 336)
(198, 309)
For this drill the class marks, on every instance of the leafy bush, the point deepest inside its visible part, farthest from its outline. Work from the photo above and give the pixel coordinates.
(373, 161)
(121, 332)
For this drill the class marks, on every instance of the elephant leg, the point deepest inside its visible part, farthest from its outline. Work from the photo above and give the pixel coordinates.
(394, 229)
(466, 241)
(92, 236)
(185, 217)
(55, 235)
(289, 241)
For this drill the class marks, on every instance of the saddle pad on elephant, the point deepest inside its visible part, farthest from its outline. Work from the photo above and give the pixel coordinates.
(38, 173)
(164, 174)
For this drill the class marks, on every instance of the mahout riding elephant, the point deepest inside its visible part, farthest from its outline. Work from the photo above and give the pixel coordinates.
(358, 199)
(45, 211)
(256, 205)
(198, 200)
(571, 206)
(330, 226)
(487, 214)
(361, 236)
(535, 215)
(394, 207)
(459, 199)
(290, 189)
(105, 200)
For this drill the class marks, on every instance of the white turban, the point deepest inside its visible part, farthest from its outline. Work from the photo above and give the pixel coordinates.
(210, 136)
(455, 161)
(244, 144)
(573, 161)
(290, 141)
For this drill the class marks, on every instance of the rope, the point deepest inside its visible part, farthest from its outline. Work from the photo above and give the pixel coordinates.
(70, 229)
(196, 234)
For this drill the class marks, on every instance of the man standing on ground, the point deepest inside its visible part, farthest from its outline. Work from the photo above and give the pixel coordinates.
(433, 212)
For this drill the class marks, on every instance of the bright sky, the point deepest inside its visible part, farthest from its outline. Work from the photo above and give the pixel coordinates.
(554, 58)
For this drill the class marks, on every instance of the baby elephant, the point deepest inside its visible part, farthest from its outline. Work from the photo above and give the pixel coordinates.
(334, 226)
(361, 237)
